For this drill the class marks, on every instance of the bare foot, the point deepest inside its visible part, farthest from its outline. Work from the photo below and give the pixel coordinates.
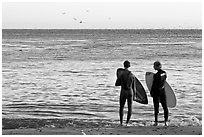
(127, 125)
(155, 124)
(165, 123)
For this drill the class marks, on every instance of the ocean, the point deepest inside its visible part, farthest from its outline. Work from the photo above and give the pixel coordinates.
(70, 74)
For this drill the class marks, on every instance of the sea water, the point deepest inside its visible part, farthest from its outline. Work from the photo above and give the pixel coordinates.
(71, 73)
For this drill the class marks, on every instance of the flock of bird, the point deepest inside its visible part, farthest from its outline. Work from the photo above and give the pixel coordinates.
(80, 21)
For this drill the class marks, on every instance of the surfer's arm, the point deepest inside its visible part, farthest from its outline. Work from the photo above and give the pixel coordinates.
(134, 88)
(153, 86)
(118, 82)
(163, 79)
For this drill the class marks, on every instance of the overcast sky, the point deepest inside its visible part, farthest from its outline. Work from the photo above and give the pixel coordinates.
(105, 15)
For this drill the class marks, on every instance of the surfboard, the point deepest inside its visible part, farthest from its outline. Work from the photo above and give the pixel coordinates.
(170, 96)
(141, 96)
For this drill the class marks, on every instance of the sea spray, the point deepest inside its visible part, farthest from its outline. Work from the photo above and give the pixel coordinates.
(189, 121)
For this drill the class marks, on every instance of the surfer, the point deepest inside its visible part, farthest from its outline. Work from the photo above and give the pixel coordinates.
(158, 93)
(126, 81)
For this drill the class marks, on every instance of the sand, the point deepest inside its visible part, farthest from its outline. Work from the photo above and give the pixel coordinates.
(107, 131)
(82, 127)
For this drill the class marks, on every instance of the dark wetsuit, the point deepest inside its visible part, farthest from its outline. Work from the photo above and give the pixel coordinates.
(126, 81)
(158, 94)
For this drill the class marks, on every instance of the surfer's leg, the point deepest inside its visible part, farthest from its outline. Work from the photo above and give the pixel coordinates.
(122, 104)
(156, 109)
(164, 105)
(130, 99)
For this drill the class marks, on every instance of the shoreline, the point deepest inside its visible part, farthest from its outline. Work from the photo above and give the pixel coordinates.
(107, 131)
(88, 127)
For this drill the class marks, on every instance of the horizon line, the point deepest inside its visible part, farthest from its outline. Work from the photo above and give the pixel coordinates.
(104, 28)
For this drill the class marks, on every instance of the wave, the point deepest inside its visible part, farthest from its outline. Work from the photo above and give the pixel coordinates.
(189, 121)
(70, 40)
(9, 45)
(43, 111)
(163, 43)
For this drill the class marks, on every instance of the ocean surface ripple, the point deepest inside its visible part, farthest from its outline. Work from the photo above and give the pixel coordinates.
(71, 73)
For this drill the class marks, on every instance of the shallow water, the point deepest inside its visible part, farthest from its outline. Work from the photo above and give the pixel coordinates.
(71, 73)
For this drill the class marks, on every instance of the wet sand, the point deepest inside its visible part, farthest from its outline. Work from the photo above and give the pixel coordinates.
(81, 127)
(107, 131)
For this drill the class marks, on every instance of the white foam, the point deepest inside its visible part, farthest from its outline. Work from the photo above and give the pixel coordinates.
(190, 121)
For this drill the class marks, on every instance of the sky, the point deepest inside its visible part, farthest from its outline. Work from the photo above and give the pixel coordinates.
(101, 15)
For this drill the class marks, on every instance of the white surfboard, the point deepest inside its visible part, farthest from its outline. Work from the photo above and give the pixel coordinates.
(170, 96)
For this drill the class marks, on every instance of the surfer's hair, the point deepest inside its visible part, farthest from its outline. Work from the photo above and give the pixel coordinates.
(126, 64)
(157, 64)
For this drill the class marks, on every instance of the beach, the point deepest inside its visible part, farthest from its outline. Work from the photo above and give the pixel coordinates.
(80, 127)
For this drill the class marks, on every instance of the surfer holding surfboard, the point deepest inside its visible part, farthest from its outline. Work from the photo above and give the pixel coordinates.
(131, 90)
(158, 92)
(126, 81)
